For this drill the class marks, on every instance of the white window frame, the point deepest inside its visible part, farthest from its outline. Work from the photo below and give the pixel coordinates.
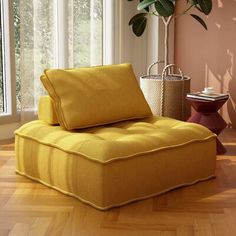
(8, 50)
(109, 31)
(61, 38)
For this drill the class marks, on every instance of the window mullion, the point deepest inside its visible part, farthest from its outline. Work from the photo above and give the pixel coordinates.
(5, 59)
(61, 34)
(108, 31)
(9, 115)
(8, 58)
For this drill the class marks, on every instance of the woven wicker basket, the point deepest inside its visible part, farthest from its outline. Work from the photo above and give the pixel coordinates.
(166, 93)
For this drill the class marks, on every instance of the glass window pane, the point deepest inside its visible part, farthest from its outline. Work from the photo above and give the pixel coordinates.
(16, 5)
(35, 27)
(34, 48)
(85, 33)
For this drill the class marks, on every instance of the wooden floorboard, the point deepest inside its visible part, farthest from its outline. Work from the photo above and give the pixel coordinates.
(204, 209)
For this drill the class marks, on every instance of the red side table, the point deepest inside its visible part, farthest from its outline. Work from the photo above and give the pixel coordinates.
(206, 114)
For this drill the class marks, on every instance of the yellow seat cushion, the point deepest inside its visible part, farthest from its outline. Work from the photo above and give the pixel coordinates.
(94, 96)
(115, 164)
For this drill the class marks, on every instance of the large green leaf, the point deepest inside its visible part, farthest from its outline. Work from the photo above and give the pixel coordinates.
(200, 20)
(168, 5)
(145, 3)
(192, 2)
(139, 26)
(162, 11)
(205, 5)
(136, 17)
(147, 8)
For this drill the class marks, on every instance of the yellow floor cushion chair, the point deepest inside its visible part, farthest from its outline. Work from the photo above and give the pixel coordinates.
(97, 140)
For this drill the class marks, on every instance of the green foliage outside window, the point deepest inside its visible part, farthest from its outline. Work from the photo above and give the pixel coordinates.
(34, 29)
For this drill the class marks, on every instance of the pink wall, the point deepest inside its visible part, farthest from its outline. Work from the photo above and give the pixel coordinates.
(209, 57)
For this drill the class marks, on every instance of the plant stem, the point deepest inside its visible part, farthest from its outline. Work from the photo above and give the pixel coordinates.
(166, 40)
(155, 14)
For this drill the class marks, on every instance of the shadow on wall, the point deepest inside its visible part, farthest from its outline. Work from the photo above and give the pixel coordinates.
(221, 61)
(209, 57)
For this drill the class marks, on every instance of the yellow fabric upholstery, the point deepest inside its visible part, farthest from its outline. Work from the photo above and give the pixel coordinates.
(94, 96)
(46, 111)
(115, 164)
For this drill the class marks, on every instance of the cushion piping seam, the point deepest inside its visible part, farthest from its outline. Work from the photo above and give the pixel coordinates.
(117, 158)
(111, 122)
(118, 204)
(60, 114)
(48, 86)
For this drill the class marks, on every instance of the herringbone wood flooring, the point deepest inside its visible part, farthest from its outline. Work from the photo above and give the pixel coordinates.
(207, 208)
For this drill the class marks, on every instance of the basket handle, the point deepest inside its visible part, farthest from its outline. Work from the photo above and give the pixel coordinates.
(153, 64)
(168, 67)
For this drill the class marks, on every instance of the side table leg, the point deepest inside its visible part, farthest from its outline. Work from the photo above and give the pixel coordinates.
(220, 149)
(206, 114)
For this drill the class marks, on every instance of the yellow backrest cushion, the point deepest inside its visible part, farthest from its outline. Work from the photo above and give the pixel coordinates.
(46, 111)
(94, 96)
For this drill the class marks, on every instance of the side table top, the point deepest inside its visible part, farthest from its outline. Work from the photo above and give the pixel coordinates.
(206, 106)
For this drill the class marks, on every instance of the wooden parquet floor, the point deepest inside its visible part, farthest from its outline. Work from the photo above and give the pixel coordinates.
(207, 208)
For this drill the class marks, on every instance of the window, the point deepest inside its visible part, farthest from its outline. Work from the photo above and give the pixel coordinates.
(87, 17)
(80, 32)
(44, 34)
(7, 66)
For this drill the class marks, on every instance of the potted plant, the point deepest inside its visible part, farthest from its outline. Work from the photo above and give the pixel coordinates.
(166, 86)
